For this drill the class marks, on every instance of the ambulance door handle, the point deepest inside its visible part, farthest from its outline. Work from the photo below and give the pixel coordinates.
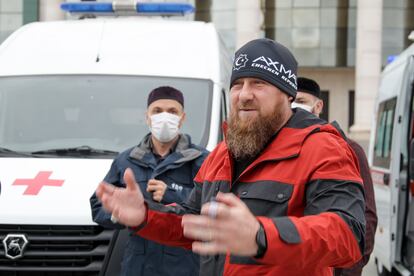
(386, 179)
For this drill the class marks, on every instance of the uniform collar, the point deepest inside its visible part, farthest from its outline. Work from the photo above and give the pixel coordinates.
(185, 152)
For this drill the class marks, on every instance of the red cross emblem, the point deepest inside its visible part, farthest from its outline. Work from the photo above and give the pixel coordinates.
(35, 185)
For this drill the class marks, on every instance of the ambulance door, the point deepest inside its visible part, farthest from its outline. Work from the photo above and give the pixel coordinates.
(381, 176)
(408, 242)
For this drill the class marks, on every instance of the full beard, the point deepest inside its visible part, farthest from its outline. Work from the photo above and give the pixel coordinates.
(247, 138)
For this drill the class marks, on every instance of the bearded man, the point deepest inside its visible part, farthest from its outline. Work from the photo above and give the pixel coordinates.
(281, 195)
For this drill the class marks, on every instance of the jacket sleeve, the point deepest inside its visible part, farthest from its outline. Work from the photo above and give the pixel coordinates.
(163, 222)
(331, 231)
(99, 215)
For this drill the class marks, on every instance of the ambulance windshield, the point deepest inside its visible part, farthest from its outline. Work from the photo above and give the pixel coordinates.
(38, 113)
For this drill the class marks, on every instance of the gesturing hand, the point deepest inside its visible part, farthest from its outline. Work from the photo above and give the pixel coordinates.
(125, 204)
(226, 225)
(157, 187)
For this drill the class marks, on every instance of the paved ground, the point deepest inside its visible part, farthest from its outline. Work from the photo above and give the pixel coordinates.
(369, 269)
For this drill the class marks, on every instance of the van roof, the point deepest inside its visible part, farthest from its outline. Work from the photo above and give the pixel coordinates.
(127, 46)
(393, 75)
(401, 58)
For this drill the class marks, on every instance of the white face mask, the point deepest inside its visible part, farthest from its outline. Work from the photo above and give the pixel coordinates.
(303, 106)
(164, 126)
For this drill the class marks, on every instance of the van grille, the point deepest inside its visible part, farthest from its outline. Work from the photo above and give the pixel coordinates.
(57, 250)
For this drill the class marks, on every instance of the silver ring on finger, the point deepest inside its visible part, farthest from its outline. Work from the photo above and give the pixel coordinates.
(114, 219)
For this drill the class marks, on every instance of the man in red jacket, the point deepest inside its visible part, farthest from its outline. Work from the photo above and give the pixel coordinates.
(309, 98)
(281, 195)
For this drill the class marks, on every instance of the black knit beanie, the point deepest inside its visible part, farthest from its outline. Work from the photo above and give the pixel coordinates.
(309, 86)
(165, 92)
(267, 60)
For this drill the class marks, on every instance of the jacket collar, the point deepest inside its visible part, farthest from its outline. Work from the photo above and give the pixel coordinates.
(185, 152)
(288, 143)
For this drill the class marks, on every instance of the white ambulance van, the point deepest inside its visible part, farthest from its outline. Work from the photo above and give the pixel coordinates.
(72, 95)
(391, 157)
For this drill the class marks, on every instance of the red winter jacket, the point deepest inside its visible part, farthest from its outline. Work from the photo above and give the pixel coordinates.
(304, 188)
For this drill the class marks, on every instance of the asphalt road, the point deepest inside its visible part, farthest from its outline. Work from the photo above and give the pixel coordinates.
(370, 269)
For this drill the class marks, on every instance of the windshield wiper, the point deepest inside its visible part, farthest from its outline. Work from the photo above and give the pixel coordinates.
(81, 150)
(6, 151)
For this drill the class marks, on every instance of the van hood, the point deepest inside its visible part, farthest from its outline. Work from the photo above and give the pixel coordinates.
(49, 191)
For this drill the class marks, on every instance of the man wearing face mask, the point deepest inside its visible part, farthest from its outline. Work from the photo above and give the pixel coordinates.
(308, 98)
(164, 164)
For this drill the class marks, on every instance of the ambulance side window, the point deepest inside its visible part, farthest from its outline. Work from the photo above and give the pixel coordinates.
(383, 136)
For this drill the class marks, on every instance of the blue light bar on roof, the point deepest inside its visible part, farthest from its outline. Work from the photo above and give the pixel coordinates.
(164, 8)
(87, 7)
(140, 8)
(391, 58)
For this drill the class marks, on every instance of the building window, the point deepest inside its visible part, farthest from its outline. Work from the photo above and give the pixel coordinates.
(315, 31)
(14, 14)
(30, 11)
(223, 114)
(325, 111)
(351, 108)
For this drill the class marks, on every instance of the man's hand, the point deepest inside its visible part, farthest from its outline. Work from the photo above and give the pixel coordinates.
(223, 226)
(158, 188)
(126, 204)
